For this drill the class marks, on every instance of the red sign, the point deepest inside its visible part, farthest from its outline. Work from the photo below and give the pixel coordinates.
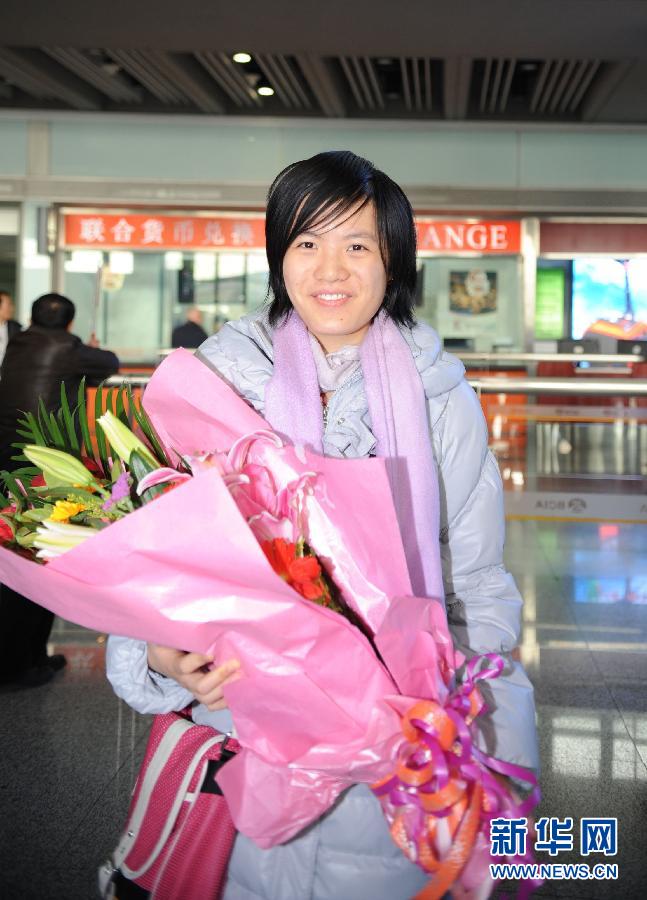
(612, 238)
(152, 232)
(468, 236)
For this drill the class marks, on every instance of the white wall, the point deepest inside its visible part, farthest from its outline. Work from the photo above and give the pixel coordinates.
(13, 147)
(229, 151)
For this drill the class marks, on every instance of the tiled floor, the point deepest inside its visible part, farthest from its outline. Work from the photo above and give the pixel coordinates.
(69, 750)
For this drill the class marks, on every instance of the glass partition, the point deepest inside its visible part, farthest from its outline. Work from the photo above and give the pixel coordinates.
(473, 302)
(566, 460)
(134, 304)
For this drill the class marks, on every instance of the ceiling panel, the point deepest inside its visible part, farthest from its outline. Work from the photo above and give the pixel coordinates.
(505, 61)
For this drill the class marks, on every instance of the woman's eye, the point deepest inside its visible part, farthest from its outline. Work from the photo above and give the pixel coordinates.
(357, 247)
(307, 245)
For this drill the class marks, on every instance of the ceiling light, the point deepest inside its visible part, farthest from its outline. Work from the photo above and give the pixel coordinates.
(241, 58)
(265, 90)
(121, 262)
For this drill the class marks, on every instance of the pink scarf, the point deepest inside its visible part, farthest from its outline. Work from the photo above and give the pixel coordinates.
(398, 411)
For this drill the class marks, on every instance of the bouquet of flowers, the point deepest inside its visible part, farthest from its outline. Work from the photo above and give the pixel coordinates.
(291, 563)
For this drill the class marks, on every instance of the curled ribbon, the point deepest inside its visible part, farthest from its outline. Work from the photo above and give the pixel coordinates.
(441, 776)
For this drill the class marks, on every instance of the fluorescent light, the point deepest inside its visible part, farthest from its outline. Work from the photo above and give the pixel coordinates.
(31, 258)
(84, 261)
(241, 57)
(121, 262)
(204, 266)
(173, 260)
(232, 265)
(265, 90)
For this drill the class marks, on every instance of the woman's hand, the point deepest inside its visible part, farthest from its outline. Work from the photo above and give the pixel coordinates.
(192, 672)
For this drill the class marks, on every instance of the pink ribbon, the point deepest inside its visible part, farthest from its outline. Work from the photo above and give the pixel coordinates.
(449, 757)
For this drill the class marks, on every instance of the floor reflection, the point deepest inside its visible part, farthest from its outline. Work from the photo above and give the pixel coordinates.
(69, 751)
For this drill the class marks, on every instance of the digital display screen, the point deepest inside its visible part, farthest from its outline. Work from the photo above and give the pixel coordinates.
(609, 298)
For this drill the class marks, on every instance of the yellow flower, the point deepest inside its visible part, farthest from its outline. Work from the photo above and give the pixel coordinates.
(65, 509)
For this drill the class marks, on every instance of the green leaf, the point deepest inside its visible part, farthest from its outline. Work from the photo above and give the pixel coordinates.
(17, 496)
(82, 412)
(139, 466)
(56, 493)
(26, 434)
(147, 427)
(59, 442)
(120, 408)
(68, 419)
(115, 471)
(43, 421)
(25, 538)
(26, 473)
(31, 424)
(39, 514)
(20, 457)
(102, 444)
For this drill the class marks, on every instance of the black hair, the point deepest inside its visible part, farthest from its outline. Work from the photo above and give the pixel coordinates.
(311, 194)
(52, 311)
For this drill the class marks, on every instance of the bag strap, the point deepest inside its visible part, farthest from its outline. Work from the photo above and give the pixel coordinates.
(172, 737)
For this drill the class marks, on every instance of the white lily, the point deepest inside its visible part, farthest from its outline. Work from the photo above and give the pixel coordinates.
(58, 467)
(122, 439)
(55, 538)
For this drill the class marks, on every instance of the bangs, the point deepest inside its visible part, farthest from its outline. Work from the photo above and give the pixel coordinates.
(319, 212)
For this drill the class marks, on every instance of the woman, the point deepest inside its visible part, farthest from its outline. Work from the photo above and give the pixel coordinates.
(337, 362)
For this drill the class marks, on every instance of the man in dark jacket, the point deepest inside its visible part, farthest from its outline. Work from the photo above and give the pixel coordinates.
(37, 360)
(8, 325)
(191, 334)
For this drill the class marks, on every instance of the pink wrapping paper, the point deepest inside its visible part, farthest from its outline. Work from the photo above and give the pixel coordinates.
(316, 710)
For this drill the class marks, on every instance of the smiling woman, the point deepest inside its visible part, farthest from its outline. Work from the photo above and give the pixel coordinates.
(340, 242)
(336, 278)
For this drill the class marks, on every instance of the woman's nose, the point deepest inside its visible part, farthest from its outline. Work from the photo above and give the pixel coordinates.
(331, 266)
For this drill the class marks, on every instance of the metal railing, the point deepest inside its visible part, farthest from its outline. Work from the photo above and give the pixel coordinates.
(530, 358)
(628, 387)
(616, 387)
(499, 357)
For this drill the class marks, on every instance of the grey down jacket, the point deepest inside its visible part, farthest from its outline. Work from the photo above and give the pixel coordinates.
(348, 854)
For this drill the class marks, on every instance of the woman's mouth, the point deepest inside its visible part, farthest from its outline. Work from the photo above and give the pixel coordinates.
(331, 298)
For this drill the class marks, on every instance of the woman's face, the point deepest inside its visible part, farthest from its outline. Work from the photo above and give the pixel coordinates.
(336, 279)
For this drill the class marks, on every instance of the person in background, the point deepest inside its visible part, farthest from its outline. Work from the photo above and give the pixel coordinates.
(191, 334)
(8, 325)
(35, 363)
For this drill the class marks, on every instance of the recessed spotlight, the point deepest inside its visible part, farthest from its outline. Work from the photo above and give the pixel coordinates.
(110, 68)
(265, 90)
(241, 57)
